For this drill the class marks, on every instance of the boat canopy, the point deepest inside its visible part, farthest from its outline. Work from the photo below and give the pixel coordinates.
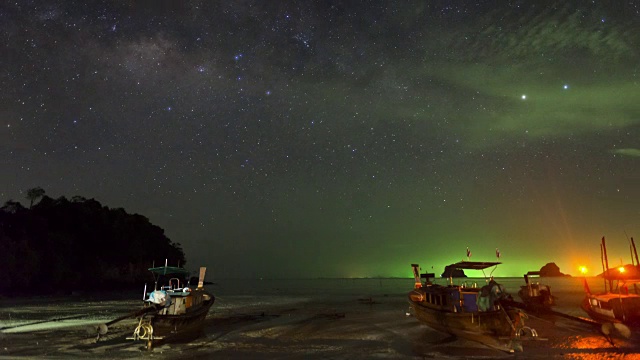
(630, 274)
(169, 270)
(474, 265)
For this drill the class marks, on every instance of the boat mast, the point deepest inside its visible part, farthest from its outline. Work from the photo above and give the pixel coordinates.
(203, 270)
(604, 271)
(416, 276)
(630, 249)
(635, 252)
(606, 261)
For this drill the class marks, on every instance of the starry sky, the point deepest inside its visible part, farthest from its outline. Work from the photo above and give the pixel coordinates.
(335, 138)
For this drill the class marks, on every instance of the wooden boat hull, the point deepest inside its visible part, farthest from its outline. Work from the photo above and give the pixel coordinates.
(492, 328)
(494, 323)
(173, 322)
(609, 310)
(172, 310)
(537, 297)
(168, 325)
(538, 303)
(469, 312)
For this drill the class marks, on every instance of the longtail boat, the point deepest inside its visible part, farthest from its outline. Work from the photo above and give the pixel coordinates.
(172, 310)
(536, 296)
(470, 312)
(620, 301)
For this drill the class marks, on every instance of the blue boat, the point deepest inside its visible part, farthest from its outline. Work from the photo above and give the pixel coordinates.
(468, 311)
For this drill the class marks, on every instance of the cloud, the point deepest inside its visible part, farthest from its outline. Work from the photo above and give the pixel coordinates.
(490, 106)
(627, 152)
(562, 32)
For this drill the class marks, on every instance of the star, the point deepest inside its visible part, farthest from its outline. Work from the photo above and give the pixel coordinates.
(195, 90)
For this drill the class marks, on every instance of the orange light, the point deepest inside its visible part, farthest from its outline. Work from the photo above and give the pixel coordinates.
(621, 268)
(583, 269)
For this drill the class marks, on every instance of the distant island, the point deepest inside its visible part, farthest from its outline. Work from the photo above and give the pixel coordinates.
(552, 270)
(61, 246)
(452, 271)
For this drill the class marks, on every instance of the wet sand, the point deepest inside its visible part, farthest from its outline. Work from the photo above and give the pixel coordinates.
(341, 327)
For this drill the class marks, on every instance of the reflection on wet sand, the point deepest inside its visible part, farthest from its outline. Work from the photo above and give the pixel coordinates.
(300, 326)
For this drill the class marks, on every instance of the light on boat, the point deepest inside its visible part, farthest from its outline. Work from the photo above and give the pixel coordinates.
(583, 269)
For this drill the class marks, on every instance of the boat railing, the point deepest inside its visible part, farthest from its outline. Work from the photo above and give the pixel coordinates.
(458, 298)
(469, 284)
(174, 283)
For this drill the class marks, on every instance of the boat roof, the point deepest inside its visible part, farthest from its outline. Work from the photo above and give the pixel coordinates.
(631, 274)
(165, 270)
(533, 273)
(474, 265)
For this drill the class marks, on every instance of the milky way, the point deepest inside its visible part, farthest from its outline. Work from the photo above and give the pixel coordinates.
(330, 138)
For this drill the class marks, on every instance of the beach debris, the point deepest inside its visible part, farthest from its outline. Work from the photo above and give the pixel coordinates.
(516, 346)
(623, 330)
(367, 301)
(330, 316)
(102, 329)
(616, 329)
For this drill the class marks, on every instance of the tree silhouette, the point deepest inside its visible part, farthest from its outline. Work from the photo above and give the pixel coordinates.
(61, 246)
(12, 207)
(34, 194)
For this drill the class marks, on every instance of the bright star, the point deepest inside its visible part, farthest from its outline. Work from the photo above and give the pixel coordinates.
(524, 97)
(565, 86)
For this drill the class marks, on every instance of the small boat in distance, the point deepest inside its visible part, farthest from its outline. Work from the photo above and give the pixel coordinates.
(470, 312)
(172, 309)
(537, 297)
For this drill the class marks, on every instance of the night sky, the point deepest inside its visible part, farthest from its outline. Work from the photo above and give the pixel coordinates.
(335, 138)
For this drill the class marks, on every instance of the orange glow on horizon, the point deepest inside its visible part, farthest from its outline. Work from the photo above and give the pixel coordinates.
(621, 268)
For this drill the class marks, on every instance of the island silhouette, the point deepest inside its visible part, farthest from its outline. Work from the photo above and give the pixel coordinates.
(61, 246)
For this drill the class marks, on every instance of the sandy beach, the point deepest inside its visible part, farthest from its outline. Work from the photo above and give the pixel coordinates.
(283, 326)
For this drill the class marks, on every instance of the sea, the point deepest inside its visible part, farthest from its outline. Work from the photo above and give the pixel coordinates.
(323, 318)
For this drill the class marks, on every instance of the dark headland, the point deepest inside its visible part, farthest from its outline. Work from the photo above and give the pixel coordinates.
(61, 247)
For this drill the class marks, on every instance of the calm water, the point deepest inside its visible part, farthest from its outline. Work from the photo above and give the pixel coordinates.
(568, 290)
(375, 286)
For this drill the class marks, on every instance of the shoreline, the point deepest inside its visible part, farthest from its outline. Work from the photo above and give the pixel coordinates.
(340, 328)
